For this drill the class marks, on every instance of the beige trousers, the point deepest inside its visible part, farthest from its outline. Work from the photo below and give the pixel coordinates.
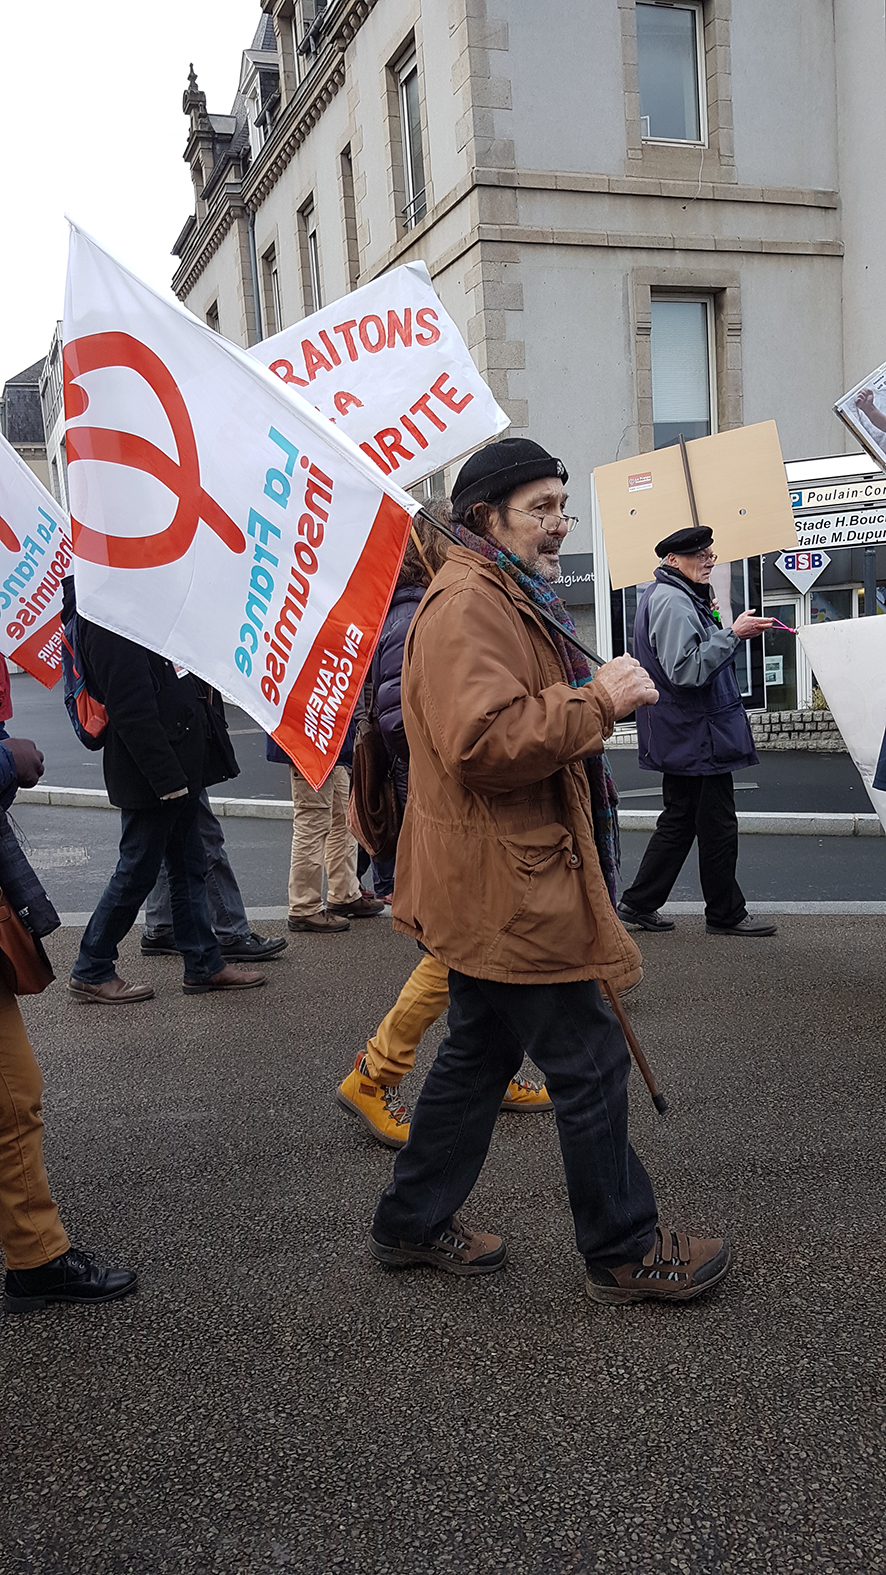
(320, 836)
(30, 1230)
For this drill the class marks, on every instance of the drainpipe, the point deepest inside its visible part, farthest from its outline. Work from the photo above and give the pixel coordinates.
(253, 268)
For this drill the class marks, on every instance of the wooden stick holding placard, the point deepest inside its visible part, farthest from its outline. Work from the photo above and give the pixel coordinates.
(689, 487)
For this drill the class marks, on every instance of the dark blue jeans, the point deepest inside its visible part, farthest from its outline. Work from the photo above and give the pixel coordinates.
(580, 1048)
(170, 831)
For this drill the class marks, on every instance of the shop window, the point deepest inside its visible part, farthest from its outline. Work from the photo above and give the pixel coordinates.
(669, 56)
(682, 369)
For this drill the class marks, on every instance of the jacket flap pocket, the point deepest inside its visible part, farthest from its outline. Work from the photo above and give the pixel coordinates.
(540, 843)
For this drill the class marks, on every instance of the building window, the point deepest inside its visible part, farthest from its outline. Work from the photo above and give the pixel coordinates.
(271, 304)
(413, 151)
(683, 378)
(310, 259)
(669, 57)
(212, 317)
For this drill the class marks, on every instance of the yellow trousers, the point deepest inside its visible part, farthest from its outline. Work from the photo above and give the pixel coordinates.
(30, 1230)
(390, 1054)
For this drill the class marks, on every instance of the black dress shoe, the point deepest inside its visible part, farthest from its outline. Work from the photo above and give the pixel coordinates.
(160, 945)
(72, 1277)
(644, 921)
(252, 947)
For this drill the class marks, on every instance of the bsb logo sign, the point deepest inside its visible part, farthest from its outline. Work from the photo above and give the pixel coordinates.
(35, 555)
(388, 365)
(216, 517)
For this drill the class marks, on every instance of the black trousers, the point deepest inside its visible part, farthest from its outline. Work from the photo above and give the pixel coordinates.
(577, 1043)
(695, 807)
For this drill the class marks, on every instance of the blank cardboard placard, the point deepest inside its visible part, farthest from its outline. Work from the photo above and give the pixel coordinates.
(740, 491)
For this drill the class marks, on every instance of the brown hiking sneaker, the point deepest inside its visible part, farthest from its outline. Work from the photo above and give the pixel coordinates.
(677, 1268)
(454, 1249)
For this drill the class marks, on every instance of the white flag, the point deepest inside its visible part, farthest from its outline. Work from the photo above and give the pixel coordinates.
(849, 661)
(388, 365)
(216, 518)
(35, 554)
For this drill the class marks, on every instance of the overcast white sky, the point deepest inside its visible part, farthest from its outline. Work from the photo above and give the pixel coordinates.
(91, 95)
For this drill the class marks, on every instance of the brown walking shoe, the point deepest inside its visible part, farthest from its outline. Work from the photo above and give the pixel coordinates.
(455, 1249)
(677, 1268)
(363, 907)
(111, 992)
(228, 978)
(318, 923)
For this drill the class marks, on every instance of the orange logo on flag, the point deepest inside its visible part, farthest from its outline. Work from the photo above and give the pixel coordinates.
(182, 477)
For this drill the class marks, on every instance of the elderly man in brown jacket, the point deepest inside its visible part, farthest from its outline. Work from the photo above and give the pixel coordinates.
(499, 877)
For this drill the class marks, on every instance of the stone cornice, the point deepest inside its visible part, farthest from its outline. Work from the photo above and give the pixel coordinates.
(207, 238)
(293, 126)
(644, 186)
(307, 105)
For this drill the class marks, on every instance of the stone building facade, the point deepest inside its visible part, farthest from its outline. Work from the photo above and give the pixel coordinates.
(641, 215)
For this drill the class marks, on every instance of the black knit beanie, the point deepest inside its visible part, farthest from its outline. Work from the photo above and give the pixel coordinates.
(499, 468)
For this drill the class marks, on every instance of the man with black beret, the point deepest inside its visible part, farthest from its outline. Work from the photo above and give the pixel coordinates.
(697, 736)
(506, 870)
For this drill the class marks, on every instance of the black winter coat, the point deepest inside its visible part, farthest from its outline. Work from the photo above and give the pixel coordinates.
(386, 673)
(157, 726)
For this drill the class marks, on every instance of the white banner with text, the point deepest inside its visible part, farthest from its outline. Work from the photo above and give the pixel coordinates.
(388, 365)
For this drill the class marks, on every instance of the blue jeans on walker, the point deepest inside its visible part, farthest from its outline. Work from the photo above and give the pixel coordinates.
(170, 831)
(576, 1041)
(226, 908)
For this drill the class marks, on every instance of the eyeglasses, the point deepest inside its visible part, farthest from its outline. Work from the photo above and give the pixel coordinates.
(550, 523)
(704, 556)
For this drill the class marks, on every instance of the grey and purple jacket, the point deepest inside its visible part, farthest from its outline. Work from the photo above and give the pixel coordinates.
(699, 728)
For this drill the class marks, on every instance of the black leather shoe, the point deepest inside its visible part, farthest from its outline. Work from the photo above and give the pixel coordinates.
(73, 1277)
(160, 945)
(252, 947)
(643, 921)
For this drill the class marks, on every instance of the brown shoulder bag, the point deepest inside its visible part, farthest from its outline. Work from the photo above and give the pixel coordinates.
(24, 965)
(374, 814)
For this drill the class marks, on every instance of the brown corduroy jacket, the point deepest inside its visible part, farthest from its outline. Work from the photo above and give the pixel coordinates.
(497, 871)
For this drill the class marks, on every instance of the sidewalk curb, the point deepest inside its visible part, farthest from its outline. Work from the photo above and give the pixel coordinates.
(97, 798)
(775, 823)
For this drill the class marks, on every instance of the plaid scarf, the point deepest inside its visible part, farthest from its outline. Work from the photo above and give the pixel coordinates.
(604, 795)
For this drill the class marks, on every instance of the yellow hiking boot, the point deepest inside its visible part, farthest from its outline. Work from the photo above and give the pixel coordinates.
(379, 1107)
(526, 1097)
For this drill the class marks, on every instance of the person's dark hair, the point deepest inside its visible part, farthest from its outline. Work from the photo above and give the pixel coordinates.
(468, 516)
(418, 570)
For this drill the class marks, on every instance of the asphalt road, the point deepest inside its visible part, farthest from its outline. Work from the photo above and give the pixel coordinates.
(76, 850)
(272, 1400)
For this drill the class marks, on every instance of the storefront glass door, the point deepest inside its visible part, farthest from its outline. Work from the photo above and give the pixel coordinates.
(780, 658)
